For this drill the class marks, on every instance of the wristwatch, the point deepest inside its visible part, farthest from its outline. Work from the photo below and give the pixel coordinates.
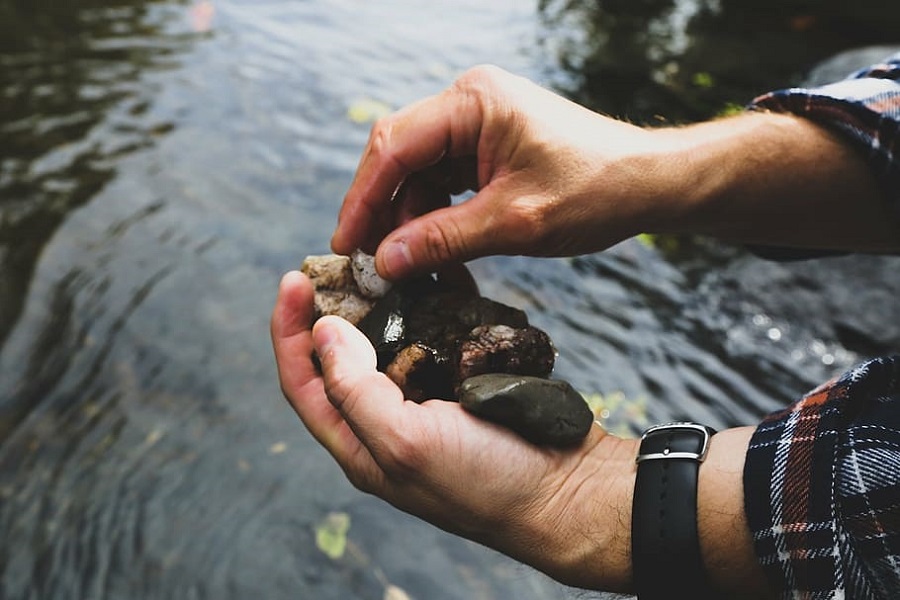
(665, 547)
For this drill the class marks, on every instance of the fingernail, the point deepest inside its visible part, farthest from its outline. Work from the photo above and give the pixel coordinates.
(397, 258)
(324, 337)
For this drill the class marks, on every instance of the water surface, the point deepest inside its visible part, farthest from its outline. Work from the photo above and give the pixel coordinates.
(163, 163)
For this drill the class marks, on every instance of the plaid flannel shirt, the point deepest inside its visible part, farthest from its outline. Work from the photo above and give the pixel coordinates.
(822, 477)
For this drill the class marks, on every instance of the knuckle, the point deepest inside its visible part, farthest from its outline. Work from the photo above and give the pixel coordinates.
(534, 216)
(481, 86)
(362, 479)
(526, 219)
(443, 243)
(382, 143)
(380, 136)
(479, 77)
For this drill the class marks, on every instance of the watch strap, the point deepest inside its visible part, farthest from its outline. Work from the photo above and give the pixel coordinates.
(666, 559)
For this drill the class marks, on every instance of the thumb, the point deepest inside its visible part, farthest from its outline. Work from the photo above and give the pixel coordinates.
(365, 398)
(480, 226)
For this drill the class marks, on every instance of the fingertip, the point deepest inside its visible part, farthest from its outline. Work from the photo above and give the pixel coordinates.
(393, 259)
(294, 305)
(338, 342)
(339, 243)
(325, 334)
(291, 279)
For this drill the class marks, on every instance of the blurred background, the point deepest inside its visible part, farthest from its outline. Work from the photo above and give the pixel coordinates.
(162, 163)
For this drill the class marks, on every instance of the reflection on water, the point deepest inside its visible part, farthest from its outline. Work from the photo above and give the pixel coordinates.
(684, 60)
(74, 98)
(156, 184)
(164, 162)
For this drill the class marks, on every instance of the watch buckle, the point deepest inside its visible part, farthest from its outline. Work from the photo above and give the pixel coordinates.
(666, 454)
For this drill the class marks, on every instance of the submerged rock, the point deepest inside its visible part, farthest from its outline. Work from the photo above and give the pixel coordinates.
(543, 411)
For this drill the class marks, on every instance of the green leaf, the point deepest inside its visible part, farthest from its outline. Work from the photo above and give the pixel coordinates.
(331, 534)
(367, 110)
(730, 109)
(703, 80)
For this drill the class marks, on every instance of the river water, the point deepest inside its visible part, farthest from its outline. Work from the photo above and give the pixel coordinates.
(163, 163)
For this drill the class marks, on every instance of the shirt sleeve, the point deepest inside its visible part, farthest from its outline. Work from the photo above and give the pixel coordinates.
(865, 107)
(822, 488)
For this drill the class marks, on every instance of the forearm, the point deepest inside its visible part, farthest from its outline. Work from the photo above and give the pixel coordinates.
(766, 178)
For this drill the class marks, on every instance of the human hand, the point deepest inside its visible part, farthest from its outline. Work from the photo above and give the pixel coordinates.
(566, 513)
(552, 178)
(555, 179)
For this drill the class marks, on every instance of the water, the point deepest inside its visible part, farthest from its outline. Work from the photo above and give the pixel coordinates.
(163, 163)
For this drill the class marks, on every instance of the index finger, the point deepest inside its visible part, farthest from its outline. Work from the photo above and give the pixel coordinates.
(410, 140)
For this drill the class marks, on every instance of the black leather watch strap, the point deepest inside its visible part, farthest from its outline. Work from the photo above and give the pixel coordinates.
(665, 546)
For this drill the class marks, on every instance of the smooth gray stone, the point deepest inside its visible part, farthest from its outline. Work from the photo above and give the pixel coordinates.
(546, 412)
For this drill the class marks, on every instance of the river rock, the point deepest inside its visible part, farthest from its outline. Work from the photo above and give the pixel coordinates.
(369, 282)
(429, 339)
(385, 326)
(336, 291)
(544, 411)
(500, 348)
(451, 336)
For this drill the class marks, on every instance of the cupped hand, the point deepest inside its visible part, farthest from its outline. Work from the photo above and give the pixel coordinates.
(564, 512)
(551, 178)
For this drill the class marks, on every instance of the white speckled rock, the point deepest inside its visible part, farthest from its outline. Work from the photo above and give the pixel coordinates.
(370, 283)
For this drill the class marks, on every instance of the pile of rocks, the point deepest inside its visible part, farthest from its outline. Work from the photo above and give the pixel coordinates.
(453, 344)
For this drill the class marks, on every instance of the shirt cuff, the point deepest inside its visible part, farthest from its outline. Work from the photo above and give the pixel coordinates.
(822, 490)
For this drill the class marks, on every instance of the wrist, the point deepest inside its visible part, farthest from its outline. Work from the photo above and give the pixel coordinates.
(726, 544)
(587, 536)
(581, 534)
(597, 551)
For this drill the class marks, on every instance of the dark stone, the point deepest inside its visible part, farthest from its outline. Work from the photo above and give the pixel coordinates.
(385, 326)
(442, 319)
(546, 412)
(504, 349)
(429, 340)
(422, 373)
